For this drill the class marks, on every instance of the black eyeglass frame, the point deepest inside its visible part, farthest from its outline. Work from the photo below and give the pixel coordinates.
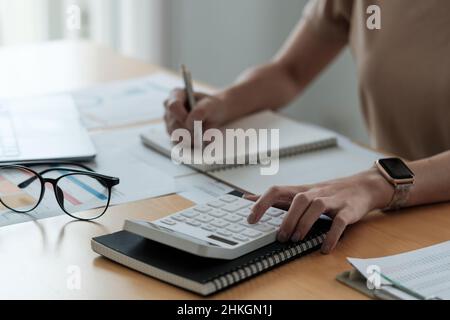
(107, 181)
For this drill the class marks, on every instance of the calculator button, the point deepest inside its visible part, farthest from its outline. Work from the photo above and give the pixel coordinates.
(189, 214)
(217, 214)
(224, 233)
(251, 233)
(179, 218)
(209, 228)
(246, 224)
(273, 212)
(264, 227)
(240, 237)
(275, 222)
(203, 209)
(233, 207)
(233, 218)
(216, 204)
(168, 222)
(251, 226)
(244, 212)
(203, 218)
(265, 219)
(235, 228)
(219, 223)
(228, 199)
(193, 223)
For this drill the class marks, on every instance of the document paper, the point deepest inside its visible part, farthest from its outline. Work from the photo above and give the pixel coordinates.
(425, 271)
(126, 102)
(143, 174)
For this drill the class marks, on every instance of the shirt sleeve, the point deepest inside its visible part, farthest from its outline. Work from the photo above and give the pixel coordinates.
(330, 19)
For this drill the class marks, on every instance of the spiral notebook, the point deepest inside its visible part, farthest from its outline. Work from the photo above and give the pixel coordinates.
(294, 138)
(198, 274)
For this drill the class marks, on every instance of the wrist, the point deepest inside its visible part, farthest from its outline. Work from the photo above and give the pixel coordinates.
(227, 105)
(378, 187)
(231, 99)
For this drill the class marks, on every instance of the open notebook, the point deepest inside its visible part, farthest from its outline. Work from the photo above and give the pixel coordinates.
(294, 138)
(308, 154)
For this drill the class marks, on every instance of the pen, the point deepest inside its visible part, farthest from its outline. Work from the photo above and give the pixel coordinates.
(188, 87)
(406, 290)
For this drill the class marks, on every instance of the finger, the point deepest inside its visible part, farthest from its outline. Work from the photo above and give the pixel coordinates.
(173, 124)
(176, 109)
(178, 94)
(314, 211)
(298, 207)
(199, 95)
(284, 205)
(251, 197)
(166, 121)
(270, 197)
(338, 226)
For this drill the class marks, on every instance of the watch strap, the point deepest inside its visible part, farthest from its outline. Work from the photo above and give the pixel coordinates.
(400, 197)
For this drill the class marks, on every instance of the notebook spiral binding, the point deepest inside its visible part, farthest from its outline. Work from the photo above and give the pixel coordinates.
(266, 262)
(285, 153)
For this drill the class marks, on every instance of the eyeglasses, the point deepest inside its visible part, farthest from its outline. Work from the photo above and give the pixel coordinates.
(81, 193)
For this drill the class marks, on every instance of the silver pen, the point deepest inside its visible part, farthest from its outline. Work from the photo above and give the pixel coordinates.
(187, 77)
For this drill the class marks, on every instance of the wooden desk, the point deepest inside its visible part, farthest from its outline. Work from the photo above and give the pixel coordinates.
(35, 256)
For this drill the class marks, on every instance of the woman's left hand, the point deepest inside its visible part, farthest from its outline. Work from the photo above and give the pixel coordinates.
(345, 200)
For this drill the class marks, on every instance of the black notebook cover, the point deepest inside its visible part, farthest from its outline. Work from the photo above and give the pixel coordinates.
(199, 274)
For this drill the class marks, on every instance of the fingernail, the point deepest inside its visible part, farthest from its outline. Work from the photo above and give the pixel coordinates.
(325, 249)
(296, 237)
(282, 237)
(251, 218)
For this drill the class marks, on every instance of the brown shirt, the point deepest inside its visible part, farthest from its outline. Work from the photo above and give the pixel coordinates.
(403, 68)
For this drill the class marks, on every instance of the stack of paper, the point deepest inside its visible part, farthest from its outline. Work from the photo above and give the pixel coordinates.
(425, 271)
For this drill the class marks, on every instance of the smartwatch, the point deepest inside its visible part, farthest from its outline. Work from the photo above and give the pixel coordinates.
(397, 173)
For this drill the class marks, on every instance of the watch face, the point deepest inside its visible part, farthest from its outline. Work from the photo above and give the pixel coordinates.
(396, 168)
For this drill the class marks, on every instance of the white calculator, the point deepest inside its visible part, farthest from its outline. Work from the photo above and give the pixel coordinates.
(217, 229)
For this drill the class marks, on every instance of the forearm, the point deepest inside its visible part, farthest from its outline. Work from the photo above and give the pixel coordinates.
(264, 87)
(432, 180)
(277, 83)
(431, 185)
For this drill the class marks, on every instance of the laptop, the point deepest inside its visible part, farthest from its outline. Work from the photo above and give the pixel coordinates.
(43, 128)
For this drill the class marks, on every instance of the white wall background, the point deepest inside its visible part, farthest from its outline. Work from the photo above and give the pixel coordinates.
(218, 39)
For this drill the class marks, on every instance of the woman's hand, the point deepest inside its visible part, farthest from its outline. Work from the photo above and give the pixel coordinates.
(346, 200)
(211, 110)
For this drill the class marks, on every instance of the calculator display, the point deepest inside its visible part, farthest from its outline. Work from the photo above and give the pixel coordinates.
(229, 242)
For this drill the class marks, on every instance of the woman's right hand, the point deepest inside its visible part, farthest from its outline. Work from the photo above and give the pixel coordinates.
(211, 110)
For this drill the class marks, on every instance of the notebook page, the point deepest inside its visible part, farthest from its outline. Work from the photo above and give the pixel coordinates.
(292, 136)
(425, 271)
